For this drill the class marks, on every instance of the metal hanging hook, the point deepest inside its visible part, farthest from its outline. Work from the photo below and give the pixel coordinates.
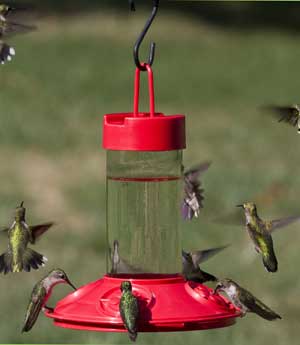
(139, 41)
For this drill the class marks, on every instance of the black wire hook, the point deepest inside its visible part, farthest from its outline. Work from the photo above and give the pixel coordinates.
(142, 36)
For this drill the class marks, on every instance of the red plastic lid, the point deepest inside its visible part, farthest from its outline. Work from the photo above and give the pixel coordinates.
(167, 303)
(143, 131)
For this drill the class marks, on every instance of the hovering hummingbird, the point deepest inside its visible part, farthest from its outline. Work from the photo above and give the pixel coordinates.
(288, 114)
(129, 309)
(260, 233)
(118, 264)
(191, 261)
(8, 28)
(18, 256)
(244, 300)
(193, 194)
(40, 295)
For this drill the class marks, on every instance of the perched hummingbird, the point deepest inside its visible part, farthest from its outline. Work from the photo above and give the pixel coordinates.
(40, 295)
(129, 309)
(288, 114)
(191, 261)
(193, 194)
(244, 300)
(260, 234)
(18, 256)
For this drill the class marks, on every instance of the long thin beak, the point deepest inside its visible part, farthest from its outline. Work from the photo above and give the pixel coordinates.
(240, 206)
(68, 281)
(22, 203)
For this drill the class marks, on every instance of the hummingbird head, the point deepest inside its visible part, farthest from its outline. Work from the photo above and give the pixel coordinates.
(5, 9)
(58, 276)
(249, 207)
(223, 284)
(126, 286)
(20, 212)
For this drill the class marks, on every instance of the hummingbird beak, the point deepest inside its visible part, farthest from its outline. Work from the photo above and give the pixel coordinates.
(68, 282)
(240, 205)
(22, 203)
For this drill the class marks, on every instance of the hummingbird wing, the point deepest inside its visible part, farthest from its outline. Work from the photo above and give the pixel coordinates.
(288, 114)
(8, 28)
(201, 256)
(38, 230)
(34, 307)
(280, 223)
(256, 306)
(194, 173)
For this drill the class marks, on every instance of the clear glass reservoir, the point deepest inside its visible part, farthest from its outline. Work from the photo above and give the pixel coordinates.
(143, 208)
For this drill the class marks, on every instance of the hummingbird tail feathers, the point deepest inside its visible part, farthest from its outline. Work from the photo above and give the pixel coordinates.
(5, 263)
(132, 335)
(270, 262)
(33, 259)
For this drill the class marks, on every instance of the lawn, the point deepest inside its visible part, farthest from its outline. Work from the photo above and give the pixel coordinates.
(75, 69)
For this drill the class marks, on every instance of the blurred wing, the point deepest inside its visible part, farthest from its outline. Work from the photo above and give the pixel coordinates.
(194, 173)
(201, 256)
(11, 28)
(4, 231)
(280, 223)
(285, 114)
(38, 230)
(34, 308)
(256, 306)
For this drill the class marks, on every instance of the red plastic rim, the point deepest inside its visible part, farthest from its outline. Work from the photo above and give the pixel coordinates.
(167, 303)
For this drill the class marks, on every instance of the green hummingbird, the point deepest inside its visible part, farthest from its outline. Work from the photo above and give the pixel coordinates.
(18, 256)
(191, 261)
(40, 295)
(129, 309)
(260, 234)
(193, 194)
(244, 300)
(288, 114)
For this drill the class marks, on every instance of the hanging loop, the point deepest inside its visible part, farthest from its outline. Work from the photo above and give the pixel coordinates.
(147, 68)
(141, 37)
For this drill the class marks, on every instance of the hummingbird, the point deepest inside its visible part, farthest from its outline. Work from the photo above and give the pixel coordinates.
(40, 295)
(289, 114)
(8, 28)
(191, 261)
(193, 194)
(118, 264)
(260, 234)
(18, 256)
(129, 309)
(244, 300)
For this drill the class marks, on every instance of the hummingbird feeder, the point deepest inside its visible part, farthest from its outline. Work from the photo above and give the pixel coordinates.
(144, 183)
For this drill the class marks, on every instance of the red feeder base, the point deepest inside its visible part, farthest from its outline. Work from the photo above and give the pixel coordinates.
(167, 303)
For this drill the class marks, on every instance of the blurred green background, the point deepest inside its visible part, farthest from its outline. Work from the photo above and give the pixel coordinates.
(216, 63)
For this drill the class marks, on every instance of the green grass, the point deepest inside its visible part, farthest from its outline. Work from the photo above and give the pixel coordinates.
(53, 96)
